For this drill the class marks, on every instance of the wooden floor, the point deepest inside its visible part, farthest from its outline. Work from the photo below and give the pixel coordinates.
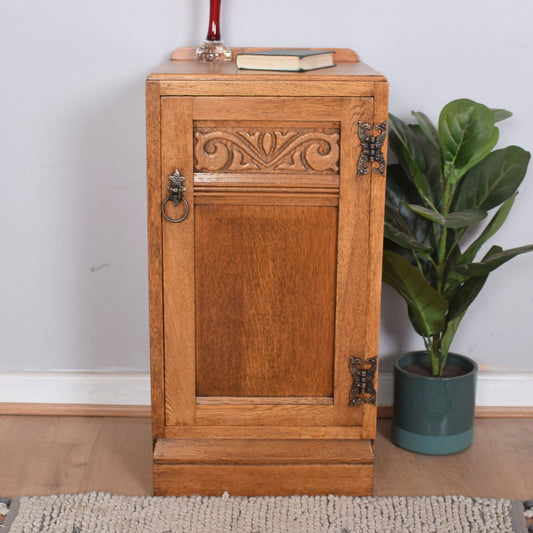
(42, 455)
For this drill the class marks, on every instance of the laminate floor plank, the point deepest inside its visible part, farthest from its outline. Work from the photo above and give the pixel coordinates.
(499, 464)
(42, 455)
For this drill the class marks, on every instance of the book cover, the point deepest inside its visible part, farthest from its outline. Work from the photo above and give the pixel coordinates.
(285, 59)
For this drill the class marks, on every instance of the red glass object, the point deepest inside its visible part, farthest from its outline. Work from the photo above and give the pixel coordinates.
(214, 49)
(213, 32)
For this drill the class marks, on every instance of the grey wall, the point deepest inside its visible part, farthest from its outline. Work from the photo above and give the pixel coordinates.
(73, 270)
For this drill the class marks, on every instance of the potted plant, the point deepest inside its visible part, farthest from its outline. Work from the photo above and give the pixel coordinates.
(445, 182)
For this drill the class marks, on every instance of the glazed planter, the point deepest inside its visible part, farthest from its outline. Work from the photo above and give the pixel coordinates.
(433, 415)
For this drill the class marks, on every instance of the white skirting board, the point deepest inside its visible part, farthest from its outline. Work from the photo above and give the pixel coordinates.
(495, 389)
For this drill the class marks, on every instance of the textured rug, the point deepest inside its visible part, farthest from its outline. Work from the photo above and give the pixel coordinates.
(102, 512)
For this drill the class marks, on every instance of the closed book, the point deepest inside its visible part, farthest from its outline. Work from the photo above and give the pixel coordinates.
(285, 59)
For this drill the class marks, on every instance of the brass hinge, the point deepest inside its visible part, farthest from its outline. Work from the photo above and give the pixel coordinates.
(371, 146)
(363, 376)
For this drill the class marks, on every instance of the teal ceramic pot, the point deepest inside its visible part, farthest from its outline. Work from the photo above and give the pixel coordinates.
(433, 415)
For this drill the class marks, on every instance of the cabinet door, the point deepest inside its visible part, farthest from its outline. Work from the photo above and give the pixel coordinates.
(265, 281)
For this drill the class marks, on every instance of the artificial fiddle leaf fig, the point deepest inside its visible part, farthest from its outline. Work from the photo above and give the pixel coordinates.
(426, 304)
(465, 296)
(445, 182)
(401, 191)
(501, 114)
(428, 129)
(457, 219)
(410, 156)
(404, 239)
(494, 179)
(491, 261)
(490, 229)
(467, 134)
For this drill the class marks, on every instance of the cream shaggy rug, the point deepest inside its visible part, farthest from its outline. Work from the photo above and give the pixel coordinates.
(98, 512)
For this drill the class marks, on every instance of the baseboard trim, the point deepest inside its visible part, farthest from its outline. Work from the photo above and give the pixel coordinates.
(499, 394)
(494, 389)
(66, 409)
(144, 411)
(80, 388)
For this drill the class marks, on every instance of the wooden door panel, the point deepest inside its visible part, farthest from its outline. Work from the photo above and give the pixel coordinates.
(265, 291)
(265, 319)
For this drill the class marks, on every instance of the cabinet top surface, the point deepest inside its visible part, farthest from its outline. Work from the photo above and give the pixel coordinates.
(184, 66)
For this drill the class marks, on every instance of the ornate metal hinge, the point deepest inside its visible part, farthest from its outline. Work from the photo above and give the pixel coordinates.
(363, 375)
(371, 148)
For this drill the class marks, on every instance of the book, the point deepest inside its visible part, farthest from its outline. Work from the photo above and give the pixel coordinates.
(285, 59)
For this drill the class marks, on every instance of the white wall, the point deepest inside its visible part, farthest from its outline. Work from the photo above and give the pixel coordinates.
(73, 266)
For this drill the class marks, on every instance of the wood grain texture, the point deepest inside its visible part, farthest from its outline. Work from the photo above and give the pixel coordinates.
(77, 409)
(375, 258)
(497, 465)
(270, 149)
(274, 415)
(265, 285)
(144, 411)
(262, 452)
(266, 111)
(314, 184)
(352, 262)
(275, 480)
(178, 266)
(264, 86)
(263, 400)
(155, 255)
(263, 432)
(259, 198)
(44, 455)
(263, 182)
(266, 323)
(188, 53)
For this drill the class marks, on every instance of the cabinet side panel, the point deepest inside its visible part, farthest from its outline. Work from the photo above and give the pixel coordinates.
(178, 264)
(155, 274)
(266, 282)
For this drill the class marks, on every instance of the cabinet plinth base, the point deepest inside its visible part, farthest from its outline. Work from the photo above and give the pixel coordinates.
(256, 467)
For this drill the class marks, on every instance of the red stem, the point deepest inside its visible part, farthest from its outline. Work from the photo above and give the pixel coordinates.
(213, 32)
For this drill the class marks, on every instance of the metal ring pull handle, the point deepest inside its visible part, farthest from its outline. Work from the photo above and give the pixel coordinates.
(176, 190)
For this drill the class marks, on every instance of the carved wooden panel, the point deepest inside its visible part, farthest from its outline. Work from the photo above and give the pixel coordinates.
(268, 150)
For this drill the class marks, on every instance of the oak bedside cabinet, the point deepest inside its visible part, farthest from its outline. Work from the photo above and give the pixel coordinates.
(265, 212)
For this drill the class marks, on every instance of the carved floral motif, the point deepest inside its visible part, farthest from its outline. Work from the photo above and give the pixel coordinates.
(266, 150)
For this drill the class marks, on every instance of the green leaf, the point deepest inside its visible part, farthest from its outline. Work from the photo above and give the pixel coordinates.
(493, 180)
(501, 114)
(404, 239)
(399, 190)
(492, 227)
(465, 295)
(494, 258)
(415, 154)
(428, 128)
(457, 219)
(427, 306)
(463, 219)
(430, 214)
(400, 187)
(467, 135)
(449, 334)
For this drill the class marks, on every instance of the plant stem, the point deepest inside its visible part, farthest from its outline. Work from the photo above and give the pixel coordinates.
(432, 344)
(459, 233)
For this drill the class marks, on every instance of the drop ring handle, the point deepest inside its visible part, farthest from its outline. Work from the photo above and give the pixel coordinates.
(176, 190)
